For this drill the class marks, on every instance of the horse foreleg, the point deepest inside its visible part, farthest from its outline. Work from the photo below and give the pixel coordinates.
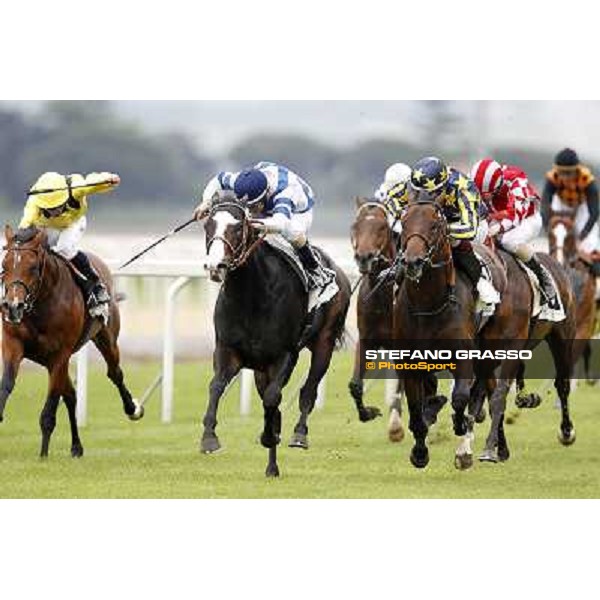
(319, 363)
(494, 450)
(269, 387)
(561, 353)
(12, 355)
(107, 345)
(226, 366)
(356, 387)
(57, 385)
(463, 424)
(419, 455)
(70, 399)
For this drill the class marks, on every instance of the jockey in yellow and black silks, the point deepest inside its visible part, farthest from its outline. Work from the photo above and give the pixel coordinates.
(58, 204)
(459, 200)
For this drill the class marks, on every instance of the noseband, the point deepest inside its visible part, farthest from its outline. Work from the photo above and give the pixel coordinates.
(239, 253)
(31, 295)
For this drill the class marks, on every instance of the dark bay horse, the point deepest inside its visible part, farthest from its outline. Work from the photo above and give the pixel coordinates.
(374, 249)
(435, 304)
(45, 319)
(563, 247)
(261, 323)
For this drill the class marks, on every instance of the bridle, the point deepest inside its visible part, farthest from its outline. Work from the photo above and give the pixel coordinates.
(378, 255)
(439, 235)
(241, 252)
(31, 295)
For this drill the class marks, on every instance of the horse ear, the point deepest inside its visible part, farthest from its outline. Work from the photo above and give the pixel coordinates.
(359, 201)
(8, 232)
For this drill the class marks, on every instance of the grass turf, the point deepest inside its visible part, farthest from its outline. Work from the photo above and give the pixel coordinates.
(347, 459)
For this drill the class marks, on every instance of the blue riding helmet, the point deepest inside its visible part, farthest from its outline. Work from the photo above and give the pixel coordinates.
(250, 186)
(429, 175)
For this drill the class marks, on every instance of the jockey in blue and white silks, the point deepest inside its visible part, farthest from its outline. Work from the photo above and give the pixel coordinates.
(281, 202)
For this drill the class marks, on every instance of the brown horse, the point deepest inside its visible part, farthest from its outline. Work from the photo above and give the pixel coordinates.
(45, 319)
(374, 249)
(513, 327)
(563, 247)
(435, 304)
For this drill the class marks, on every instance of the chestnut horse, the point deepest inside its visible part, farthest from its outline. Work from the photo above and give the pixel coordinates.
(261, 323)
(563, 247)
(45, 319)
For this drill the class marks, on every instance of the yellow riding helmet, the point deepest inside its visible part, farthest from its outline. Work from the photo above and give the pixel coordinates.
(53, 189)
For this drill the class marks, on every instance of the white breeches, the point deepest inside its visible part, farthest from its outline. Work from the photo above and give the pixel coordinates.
(592, 240)
(516, 240)
(66, 241)
(297, 228)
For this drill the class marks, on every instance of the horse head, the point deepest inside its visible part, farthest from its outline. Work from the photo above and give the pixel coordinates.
(371, 236)
(228, 233)
(23, 268)
(561, 238)
(424, 240)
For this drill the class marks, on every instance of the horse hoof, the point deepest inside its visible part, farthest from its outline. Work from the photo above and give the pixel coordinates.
(567, 439)
(480, 416)
(463, 461)
(532, 400)
(1, 418)
(368, 413)
(138, 413)
(490, 456)
(419, 459)
(503, 454)
(396, 435)
(299, 440)
(210, 445)
(77, 451)
(272, 471)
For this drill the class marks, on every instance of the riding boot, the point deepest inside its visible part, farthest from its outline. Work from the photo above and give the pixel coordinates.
(318, 275)
(470, 265)
(94, 290)
(545, 282)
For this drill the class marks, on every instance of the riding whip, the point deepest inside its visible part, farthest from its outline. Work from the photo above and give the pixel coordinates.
(159, 241)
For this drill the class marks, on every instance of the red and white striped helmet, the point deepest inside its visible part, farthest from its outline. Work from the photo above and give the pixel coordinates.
(487, 175)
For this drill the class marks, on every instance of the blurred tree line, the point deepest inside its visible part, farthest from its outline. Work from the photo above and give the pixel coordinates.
(163, 173)
(80, 137)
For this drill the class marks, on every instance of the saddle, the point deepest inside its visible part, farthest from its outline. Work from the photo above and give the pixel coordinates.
(316, 298)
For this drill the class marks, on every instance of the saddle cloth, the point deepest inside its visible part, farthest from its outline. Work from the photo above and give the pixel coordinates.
(542, 311)
(316, 297)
